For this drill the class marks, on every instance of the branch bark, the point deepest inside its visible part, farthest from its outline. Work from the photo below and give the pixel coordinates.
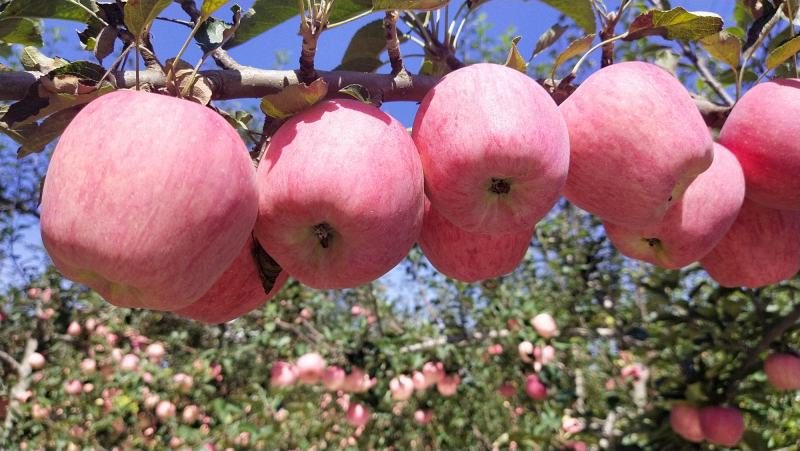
(23, 371)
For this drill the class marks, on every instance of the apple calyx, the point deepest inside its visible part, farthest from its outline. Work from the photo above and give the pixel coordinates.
(268, 268)
(324, 233)
(652, 242)
(500, 186)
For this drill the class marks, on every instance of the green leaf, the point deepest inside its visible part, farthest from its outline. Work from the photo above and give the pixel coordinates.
(33, 138)
(211, 6)
(725, 47)
(140, 14)
(575, 48)
(77, 10)
(347, 9)
(294, 99)
(363, 52)
(21, 31)
(783, 53)
(357, 92)
(581, 11)
(420, 5)
(515, 59)
(548, 38)
(268, 14)
(211, 34)
(675, 24)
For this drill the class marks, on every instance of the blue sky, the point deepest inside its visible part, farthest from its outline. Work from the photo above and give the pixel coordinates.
(529, 18)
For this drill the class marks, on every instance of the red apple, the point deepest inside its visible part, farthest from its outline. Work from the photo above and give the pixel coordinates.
(469, 256)
(73, 387)
(310, 367)
(147, 199)
(165, 410)
(357, 415)
(129, 362)
(545, 325)
(190, 414)
(448, 385)
(637, 141)
(423, 417)
(722, 425)
(402, 387)
(760, 131)
(534, 388)
(494, 149)
(238, 291)
(333, 377)
(761, 248)
(685, 421)
(783, 371)
(692, 226)
(74, 329)
(88, 366)
(341, 195)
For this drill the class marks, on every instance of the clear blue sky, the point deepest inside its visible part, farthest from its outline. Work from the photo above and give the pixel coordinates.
(529, 18)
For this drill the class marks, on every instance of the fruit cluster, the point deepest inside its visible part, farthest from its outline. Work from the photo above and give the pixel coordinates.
(153, 202)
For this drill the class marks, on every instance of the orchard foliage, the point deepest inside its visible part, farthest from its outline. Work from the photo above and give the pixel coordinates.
(579, 347)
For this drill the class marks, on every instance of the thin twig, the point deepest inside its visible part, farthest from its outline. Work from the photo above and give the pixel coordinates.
(392, 41)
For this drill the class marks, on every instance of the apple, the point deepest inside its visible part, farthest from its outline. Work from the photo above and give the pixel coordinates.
(468, 256)
(637, 141)
(433, 372)
(39, 413)
(494, 149)
(88, 366)
(165, 410)
(184, 382)
(525, 349)
(783, 371)
(358, 381)
(155, 352)
(507, 390)
(310, 367)
(758, 131)
(419, 381)
(74, 329)
(685, 421)
(402, 387)
(341, 195)
(692, 226)
(147, 199)
(722, 425)
(151, 401)
(544, 354)
(545, 325)
(333, 377)
(448, 385)
(357, 415)
(36, 361)
(572, 425)
(190, 413)
(761, 248)
(238, 291)
(534, 388)
(129, 362)
(423, 417)
(73, 387)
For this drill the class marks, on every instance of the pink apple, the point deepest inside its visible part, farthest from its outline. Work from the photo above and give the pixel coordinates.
(333, 377)
(281, 415)
(73, 387)
(34, 293)
(238, 291)
(722, 425)
(155, 352)
(448, 385)
(783, 371)
(419, 381)
(495, 349)
(147, 199)
(685, 421)
(423, 417)
(184, 382)
(36, 361)
(129, 362)
(165, 410)
(572, 425)
(544, 354)
(760, 131)
(433, 371)
(402, 387)
(545, 325)
(357, 415)
(88, 366)
(74, 329)
(358, 381)
(693, 225)
(39, 413)
(761, 248)
(341, 195)
(310, 367)
(190, 414)
(469, 256)
(534, 388)
(507, 390)
(525, 349)
(637, 141)
(151, 401)
(494, 149)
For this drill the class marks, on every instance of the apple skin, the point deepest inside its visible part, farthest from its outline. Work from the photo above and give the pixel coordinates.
(757, 132)
(637, 141)
(486, 122)
(761, 248)
(783, 371)
(238, 291)
(695, 224)
(722, 425)
(341, 195)
(467, 256)
(685, 421)
(147, 200)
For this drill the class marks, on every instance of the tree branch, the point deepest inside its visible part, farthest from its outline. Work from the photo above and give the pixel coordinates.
(10, 360)
(24, 371)
(706, 74)
(392, 41)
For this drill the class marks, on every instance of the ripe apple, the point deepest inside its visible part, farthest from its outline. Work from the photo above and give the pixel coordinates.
(129, 362)
(545, 325)
(637, 141)
(693, 225)
(36, 361)
(155, 352)
(73, 387)
(783, 371)
(722, 425)
(147, 199)
(88, 366)
(341, 195)
(238, 291)
(357, 415)
(423, 417)
(165, 410)
(333, 377)
(685, 421)
(190, 414)
(469, 256)
(448, 385)
(757, 131)
(761, 248)
(74, 329)
(283, 374)
(402, 387)
(310, 367)
(534, 388)
(494, 149)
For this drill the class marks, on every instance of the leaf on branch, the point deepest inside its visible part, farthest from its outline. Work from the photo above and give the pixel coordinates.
(32, 59)
(210, 7)
(140, 14)
(363, 52)
(239, 120)
(211, 34)
(725, 47)
(675, 24)
(348, 9)
(197, 89)
(575, 48)
(75, 10)
(104, 43)
(33, 138)
(515, 59)
(782, 53)
(294, 99)
(581, 11)
(357, 92)
(548, 38)
(21, 31)
(419, 5)
(267, 15)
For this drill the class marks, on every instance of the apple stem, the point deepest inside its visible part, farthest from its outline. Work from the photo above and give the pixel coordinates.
(577, 67)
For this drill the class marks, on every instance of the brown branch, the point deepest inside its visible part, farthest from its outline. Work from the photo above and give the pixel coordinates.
(10, 360)
(392, 41)
(23, 371)
(706, 74)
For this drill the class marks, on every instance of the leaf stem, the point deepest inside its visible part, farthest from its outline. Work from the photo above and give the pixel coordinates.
(171, 73)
